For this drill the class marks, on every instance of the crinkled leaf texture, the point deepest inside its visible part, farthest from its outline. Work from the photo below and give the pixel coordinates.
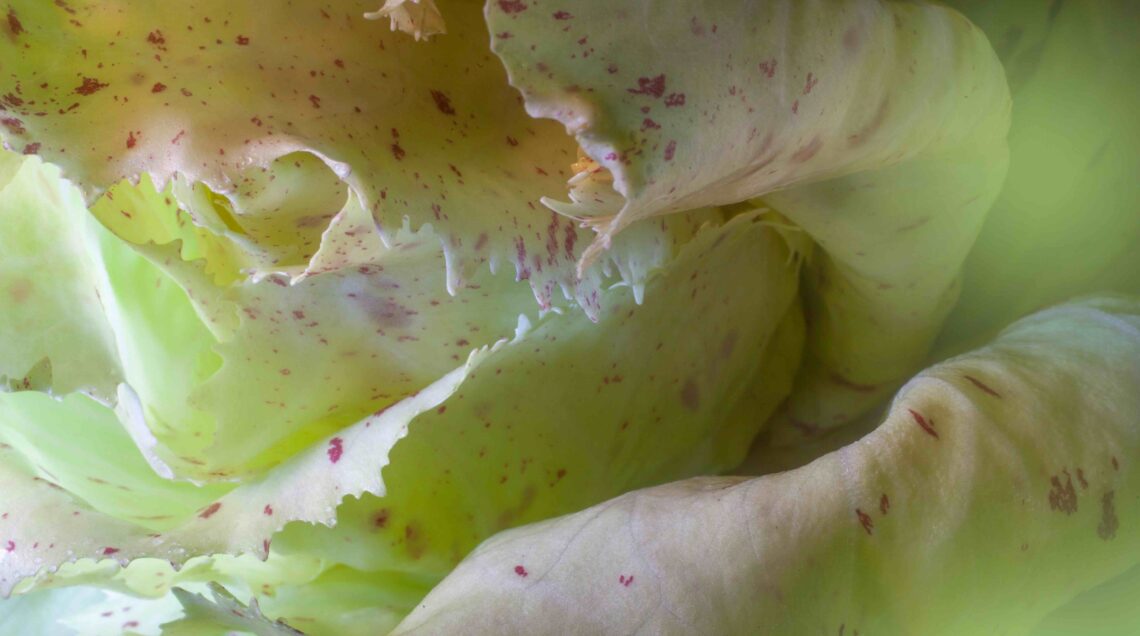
(221, 96)
(1003, 481)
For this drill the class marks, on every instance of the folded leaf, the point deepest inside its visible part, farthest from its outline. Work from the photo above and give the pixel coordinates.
(1002, 481)
(878, 127)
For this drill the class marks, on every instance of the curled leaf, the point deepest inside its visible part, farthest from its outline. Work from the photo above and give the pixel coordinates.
(998, 481)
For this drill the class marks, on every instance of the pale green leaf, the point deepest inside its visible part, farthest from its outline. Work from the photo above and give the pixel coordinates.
(1000, 484)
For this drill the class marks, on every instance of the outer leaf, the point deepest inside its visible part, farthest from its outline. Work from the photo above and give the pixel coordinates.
(1003, 481)
(876, 126)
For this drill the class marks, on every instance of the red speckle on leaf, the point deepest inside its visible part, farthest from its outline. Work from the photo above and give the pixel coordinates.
(336, 449)
(670, 150)
(512, 6)
(978, 383)
(90, 86)
(443, 102)
(1109, 522)
(131, 141)
(652, 86)
(675, 99)
(810, 83)
(157, 39)
(808, 151)
(927, 425)
(14, 24)
(648, 123)
(242, 40)
(15, 126)
(339, 63)
(624, 580)
(265, 546)
(884, 504)
(10, 546)
(32, 149)
(690, 395)
(158, 87)
(398, 152)
(267, 510)
(521, 571)
(768, 68)
(286, 372)
(315, 101)
(571, 239)
(1063, 496)
(795, 107)
(562, 15)
(109, 551)
(380, 519)
(865, 521)
(210, 510)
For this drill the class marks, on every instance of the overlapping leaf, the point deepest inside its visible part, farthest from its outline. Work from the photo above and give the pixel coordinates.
(1003, 481)
(675, 387)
